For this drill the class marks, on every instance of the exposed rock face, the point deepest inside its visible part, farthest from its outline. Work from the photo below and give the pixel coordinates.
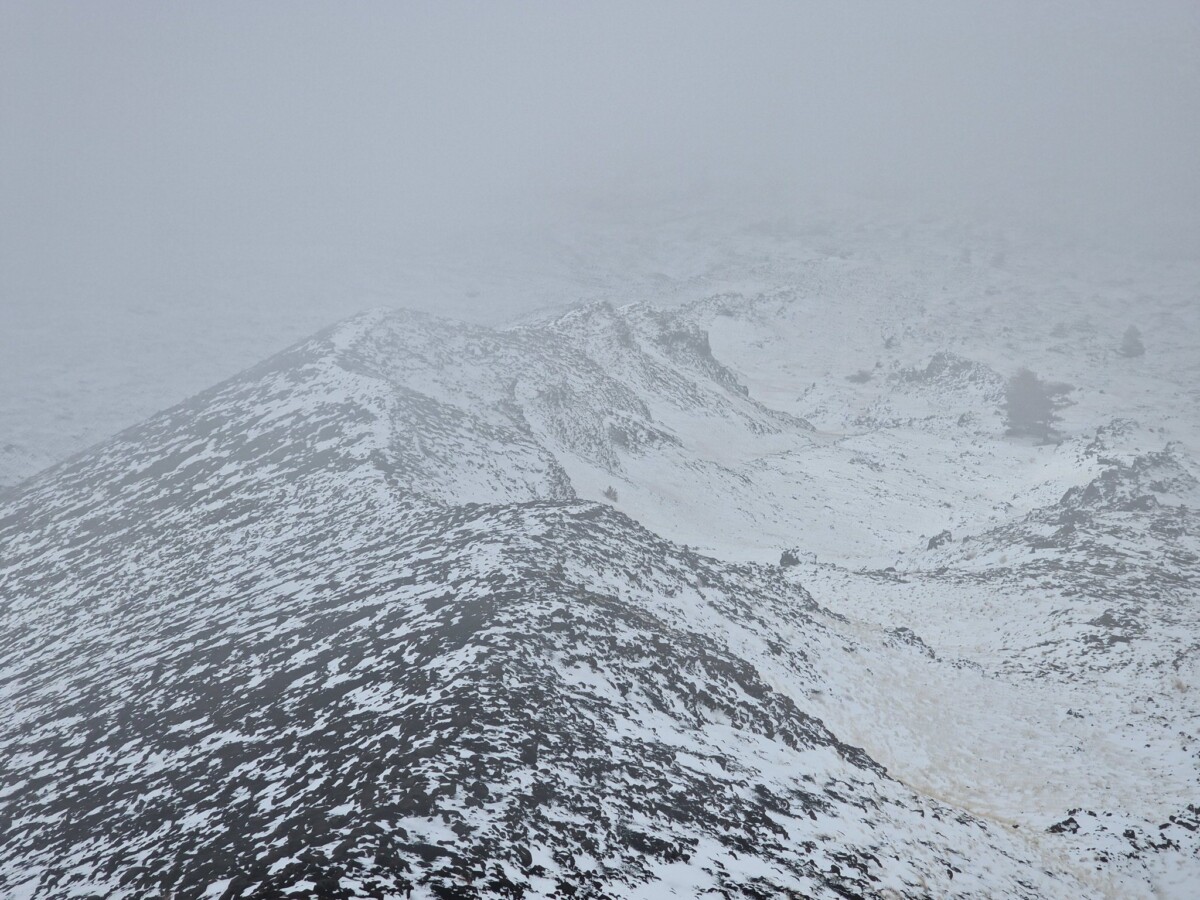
(263, 643)
(346, 625)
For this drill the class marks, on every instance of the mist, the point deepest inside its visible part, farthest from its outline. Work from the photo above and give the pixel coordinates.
(188, 188)
(610, 450)
(143, 141)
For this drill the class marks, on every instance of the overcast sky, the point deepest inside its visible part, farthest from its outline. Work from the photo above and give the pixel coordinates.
(154, 137)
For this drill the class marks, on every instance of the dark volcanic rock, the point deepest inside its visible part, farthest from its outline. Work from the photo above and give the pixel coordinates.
(313, 632)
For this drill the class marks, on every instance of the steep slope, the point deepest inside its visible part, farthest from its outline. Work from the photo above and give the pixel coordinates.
(1060, 688)
(1053, 587)
(338, 627)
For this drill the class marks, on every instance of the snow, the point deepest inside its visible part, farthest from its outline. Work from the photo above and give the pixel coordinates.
(406, 483)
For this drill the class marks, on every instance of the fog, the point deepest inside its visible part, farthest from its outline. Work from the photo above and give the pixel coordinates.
(268, 168)
(725, 449)
(142, 138)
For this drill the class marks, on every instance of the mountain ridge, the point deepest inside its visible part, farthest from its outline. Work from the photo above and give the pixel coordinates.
(385, 530)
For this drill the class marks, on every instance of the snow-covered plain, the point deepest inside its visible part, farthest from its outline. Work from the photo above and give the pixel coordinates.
(389, 550)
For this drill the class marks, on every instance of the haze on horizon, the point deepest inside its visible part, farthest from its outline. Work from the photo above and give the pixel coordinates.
(137, 134)
(282, 165)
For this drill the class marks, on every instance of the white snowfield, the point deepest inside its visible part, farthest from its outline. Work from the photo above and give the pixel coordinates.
(366, 620)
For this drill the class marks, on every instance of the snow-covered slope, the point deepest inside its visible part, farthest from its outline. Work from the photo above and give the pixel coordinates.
(254, 646)
(363, 620)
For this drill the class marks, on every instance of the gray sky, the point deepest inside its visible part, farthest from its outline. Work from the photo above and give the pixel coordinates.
(140, 130)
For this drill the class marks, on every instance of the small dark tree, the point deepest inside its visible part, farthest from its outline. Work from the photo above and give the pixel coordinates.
(1131, 343)
(1031, 406)
(611, 493)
